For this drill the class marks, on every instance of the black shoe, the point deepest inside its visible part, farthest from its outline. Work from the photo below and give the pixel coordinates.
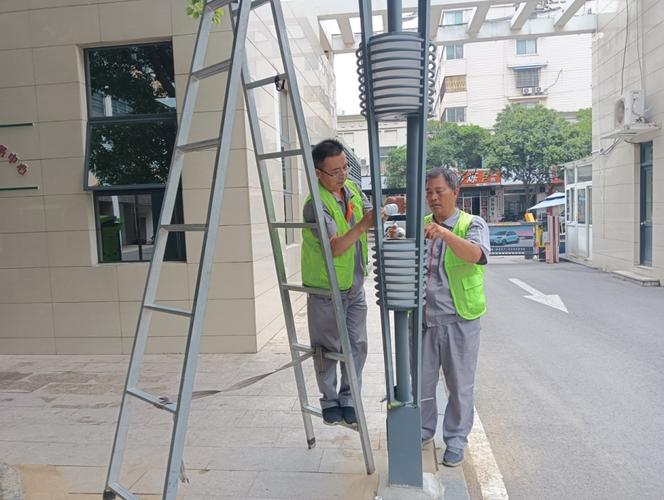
(332, 415)
(349, 415)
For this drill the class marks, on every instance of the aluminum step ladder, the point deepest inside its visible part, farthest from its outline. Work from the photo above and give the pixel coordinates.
(237, 77)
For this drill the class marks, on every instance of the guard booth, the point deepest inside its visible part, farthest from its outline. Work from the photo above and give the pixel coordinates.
(578, 208)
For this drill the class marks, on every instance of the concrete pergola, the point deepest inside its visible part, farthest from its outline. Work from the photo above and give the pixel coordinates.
(531, 18)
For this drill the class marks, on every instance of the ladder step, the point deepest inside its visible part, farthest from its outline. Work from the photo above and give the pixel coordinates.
(306, 289)
(280, 154)
(265, 81)
(152, 399)
(199, 146)
(209, 71)
(122, 491)
(169, 310)
(217, 4)
(311, 410)
(294, 225)
(337, 356)
(185, 227)
(255, 4)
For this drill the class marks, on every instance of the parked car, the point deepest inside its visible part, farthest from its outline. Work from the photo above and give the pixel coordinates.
(504, 238)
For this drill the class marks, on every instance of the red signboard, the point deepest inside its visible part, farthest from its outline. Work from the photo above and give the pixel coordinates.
(481, 177)
(13, 158)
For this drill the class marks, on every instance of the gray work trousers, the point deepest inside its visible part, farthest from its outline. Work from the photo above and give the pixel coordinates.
(455, 347)
(323, 333)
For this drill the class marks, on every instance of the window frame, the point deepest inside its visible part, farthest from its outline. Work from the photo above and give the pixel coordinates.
(525, 46)
(455, 108)
(123, 119)
(456, 13)
(521, 71)
(456, 47)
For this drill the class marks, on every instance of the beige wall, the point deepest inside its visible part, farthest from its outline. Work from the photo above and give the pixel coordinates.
(616, 194)
(54, 295)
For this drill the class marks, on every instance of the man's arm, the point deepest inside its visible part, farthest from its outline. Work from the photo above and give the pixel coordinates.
(340, 244)
(473, 250)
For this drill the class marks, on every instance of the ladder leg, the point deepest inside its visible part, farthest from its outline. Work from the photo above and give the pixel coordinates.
(303, 136)
(207, 254)
(268, 203)
(154, 269)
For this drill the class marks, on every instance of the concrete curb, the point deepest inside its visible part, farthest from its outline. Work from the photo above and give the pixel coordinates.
(10, 483)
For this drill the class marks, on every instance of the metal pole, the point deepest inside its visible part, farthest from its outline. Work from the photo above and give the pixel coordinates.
(394, 16)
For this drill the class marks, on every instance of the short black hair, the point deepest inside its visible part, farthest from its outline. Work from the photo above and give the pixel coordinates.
(325, 149)
(450, 176)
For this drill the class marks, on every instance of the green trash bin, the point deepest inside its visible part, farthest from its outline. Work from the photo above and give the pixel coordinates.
(111, 249)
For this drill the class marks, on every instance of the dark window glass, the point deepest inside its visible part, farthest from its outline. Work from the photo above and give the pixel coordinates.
(127, 224)
(133, 152)
(132, 119)
(527, 77)
(136, 80)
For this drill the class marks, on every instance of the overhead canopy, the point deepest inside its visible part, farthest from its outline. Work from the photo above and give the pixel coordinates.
(554, 200)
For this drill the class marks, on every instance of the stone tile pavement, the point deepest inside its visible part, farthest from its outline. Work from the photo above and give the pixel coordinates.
(57, 416)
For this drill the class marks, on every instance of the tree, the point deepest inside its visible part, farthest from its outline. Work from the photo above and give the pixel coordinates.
(448, 144)
(527, 142)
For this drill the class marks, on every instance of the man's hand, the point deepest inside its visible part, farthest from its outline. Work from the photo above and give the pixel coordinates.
(367, 220)
(399, 201)
(435, 231)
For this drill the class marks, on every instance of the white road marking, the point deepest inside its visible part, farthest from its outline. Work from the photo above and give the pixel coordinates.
(535, 295)
(488, 474)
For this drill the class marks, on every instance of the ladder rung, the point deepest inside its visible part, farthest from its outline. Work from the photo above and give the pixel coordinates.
(306, 289)
(152, 399)
(209, 71)
(337, 356)
(122, 491)
(294, 225)
(199, 146)
(311, 410)
(255, 4)
(169, 310)
(280, 154)
(185, 227)
(217, 4)
(264, 81)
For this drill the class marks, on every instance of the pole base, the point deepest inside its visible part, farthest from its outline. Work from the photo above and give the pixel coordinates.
(404, 446)
(432, 488)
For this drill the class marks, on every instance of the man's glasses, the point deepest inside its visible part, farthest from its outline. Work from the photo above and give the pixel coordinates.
(337, 173)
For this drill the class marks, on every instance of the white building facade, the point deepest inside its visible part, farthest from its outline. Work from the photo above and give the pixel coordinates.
(475, 81)
(628, 173)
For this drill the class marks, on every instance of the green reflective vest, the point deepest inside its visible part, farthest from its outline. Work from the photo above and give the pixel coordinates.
(466, 280)
(312, 258)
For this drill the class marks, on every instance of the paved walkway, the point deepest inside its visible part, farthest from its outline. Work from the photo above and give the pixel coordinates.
(58, 414)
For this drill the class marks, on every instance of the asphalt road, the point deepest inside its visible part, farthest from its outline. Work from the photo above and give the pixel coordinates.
(573, 403)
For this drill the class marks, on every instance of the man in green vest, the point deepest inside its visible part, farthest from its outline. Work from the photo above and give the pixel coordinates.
(348, 216)
(458, 246)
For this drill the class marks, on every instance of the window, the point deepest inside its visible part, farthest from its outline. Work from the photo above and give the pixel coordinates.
(525, 47)
(454, 52)
(455, 115)
(590, 205)
(584, 174)
(570, 205)
(581, 206)
(527, 77)
(131, 130)
(453, 18)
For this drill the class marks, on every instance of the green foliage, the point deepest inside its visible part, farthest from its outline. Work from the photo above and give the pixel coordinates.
(527, 142)
(195, 10)
(448, 144)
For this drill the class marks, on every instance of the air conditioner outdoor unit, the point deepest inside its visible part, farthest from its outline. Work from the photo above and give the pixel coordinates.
(628, 109)
(527, 90)
(538, 90)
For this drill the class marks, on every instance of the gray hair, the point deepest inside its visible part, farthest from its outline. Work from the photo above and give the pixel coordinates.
(450, 176)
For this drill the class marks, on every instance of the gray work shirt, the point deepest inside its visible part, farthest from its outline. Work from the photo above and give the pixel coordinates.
(439, 308)
(309, 215)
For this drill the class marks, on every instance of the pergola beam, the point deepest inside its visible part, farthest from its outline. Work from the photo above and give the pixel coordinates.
(522, 14)
(568, 12)
(479, 16)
